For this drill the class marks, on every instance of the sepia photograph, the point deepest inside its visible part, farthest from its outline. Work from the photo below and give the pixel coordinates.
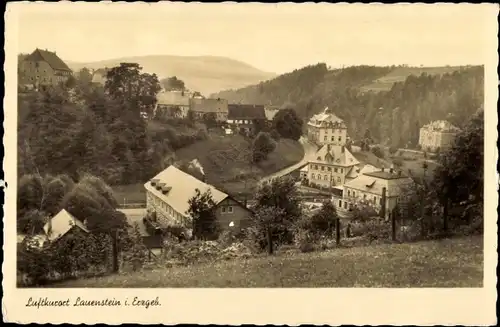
(190, 145)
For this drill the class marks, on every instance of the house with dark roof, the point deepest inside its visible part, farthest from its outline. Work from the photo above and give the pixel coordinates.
(245, 116)
(44, 67)
(168, 194)
(200, 107)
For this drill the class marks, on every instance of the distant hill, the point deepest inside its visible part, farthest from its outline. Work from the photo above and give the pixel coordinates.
(391, 103)
(206, 74)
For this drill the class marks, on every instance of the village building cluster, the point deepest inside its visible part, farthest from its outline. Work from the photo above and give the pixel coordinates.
(333, 167)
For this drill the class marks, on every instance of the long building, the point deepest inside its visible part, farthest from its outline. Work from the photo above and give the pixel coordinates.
(168, 194)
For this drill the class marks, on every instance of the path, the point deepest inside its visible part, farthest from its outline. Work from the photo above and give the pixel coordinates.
(310, 150)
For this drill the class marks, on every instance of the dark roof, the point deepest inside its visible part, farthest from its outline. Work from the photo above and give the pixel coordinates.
(50, 57)
(386, 174)
(245, 111)
(208, 105)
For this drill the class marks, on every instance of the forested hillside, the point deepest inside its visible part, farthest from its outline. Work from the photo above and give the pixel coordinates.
(80, 128)
(391, 116)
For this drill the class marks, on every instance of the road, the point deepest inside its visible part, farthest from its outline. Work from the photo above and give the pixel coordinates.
(309, 152)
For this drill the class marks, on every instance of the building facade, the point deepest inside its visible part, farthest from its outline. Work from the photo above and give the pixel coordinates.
(245, 116)
(168, 193)
(172, 104)
(201, 107)
(333, 166)
(367, 189)
(43, 67)
(327, 128)
(437, 135)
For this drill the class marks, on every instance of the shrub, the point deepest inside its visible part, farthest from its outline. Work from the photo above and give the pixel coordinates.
(304, 241)
(393, 149)
(378, 152)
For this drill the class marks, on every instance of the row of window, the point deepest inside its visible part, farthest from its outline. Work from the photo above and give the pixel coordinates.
(325, 178)
(165, 207)
(227, 209)
(365, 197)
(323, 168)
(332, 138)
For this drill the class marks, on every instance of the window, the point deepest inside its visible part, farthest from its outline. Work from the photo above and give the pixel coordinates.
(338, 180)
(348, 193)
(322, 168)
(326, 177)
(312, 176)
(230, 209)
(345, 205)
(326, 138)
(340, 138)
(223, 209)
(333, 138)
(340, 203)
(353, 193)
(364, 196)
(341, 170)
(335, 170)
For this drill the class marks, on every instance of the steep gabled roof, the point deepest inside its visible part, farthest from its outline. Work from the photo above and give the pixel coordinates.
(173, 98)
(335, 155)
(60, 224)
(208, 105)
(182, 187)
(245, 111)
(50, 57)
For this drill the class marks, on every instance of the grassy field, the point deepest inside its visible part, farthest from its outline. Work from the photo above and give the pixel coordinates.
(225, 161)
(399, 74)
(444, 263)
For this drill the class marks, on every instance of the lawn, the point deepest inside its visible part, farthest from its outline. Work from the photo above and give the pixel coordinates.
(225, 161)
(444, 263)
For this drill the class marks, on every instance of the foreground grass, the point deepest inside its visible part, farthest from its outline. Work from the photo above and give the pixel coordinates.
(443, 263)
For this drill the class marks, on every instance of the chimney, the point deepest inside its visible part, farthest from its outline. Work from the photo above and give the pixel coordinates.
(383, 169)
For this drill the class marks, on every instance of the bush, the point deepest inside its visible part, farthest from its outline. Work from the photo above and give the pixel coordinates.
(378, 152)
(304, 241)
(393, 149)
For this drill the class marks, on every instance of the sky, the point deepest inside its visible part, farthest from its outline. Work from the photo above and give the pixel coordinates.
(272, 37)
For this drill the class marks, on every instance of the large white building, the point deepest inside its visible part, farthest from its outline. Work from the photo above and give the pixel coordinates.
(437, 135)
(327, 128)
(367, 189)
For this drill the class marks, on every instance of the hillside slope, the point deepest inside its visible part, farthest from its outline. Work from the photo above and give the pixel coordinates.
(206, 74)
(389, 103)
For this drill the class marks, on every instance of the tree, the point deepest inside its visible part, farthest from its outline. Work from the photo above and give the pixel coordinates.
(202, 212)
(136, 90)
(267, 221)
(459, 175)
(210, 120)
(323, 222)
(137, 252)
(281, 194)
(262, 145)
(288, 124)
(173, 83)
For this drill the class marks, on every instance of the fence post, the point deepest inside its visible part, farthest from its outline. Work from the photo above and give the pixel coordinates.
(337, 231)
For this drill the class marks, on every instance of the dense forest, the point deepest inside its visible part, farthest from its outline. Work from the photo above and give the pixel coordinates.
(392, 117)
